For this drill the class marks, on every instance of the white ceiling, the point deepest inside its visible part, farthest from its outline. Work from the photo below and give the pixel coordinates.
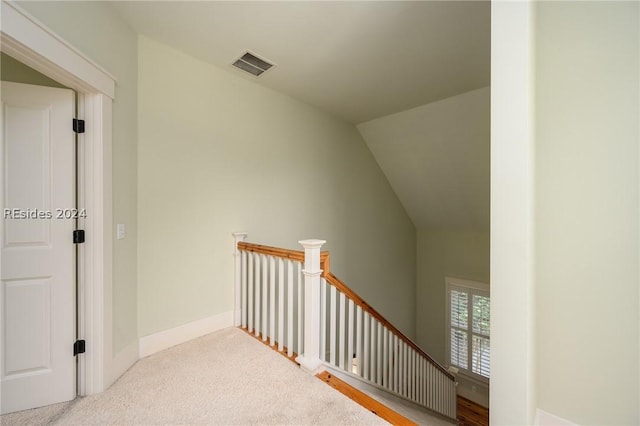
(358, 60)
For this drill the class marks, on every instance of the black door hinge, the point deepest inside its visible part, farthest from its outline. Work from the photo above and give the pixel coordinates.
(78, 236)
(78, 347)
(78, 125)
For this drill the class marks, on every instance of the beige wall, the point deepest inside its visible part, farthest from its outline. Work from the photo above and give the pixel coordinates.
(586, 211)
(98, 31)
(445, 254)
(218, 154)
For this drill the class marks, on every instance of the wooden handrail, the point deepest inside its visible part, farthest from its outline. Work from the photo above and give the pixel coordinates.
(352, 295)
(272, 251)
(297, 255)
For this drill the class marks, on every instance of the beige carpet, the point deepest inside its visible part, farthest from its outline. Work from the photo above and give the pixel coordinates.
(225, 377)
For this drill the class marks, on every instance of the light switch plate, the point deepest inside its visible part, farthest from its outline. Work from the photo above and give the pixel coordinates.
(120, 235)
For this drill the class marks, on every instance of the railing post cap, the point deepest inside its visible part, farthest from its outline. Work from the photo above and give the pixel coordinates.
(239, 235)
(312, 243)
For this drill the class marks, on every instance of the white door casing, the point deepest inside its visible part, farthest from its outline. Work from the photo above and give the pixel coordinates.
(37, 294)
(32, 43)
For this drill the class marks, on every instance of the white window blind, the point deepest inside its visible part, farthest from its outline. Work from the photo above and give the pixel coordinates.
(468, 322)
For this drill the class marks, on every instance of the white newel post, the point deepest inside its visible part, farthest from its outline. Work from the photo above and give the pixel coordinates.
(310, 359)
(237, 312)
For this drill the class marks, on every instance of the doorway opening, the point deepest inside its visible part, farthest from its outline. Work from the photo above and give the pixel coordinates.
(34, 45)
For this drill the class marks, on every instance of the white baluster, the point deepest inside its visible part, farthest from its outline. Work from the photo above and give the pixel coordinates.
(310, 359)
(272, 300)
(343, 330)
(398, 344)
(250, 277)
(359, 341)
(265, 297)
(434, 380)
(385, 358)
(426, 383)
(365, 352)
(300, 305)
(258, 294)
(414, 376)
(350, 337)
(447, 386)
(417, 378)
(409, 372)
(332, 331)
(432, 396)
(419, 381)
(392, 361)
(280, 304)
(323, 320)
(399, 366)
(401, 373)
(439, 392)
(408, 369)
(289, 308)
(441, 388)
(396, 364)
(372, 351)
(380, 357)
(423, 381)
(427, 386)
(244, 288)
(300, 309)
(405, 373)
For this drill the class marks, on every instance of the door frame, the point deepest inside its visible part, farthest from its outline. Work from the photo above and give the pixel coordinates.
(29, 41)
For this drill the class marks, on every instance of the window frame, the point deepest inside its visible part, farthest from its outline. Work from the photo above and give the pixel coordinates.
(471, 288)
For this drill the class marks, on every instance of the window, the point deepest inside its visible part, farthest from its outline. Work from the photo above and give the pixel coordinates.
(468, 316)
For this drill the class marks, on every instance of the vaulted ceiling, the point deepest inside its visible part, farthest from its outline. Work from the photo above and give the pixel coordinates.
(360, 61)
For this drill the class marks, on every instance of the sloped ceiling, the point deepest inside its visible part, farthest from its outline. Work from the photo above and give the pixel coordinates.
(358, 60)
(366, 62)
(436, 158)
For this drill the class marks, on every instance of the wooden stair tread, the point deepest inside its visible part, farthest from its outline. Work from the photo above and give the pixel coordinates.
(471, 414)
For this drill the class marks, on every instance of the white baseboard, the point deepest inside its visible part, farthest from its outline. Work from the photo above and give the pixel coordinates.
(162, 340)
(547, 419)
(121, 362)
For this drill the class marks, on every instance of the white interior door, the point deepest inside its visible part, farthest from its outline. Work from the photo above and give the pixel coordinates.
(37, 266)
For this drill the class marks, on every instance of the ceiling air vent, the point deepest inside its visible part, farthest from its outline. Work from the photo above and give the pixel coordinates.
(252, 64)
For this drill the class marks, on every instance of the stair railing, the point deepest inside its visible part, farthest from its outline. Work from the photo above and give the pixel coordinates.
(291, 301)
(360, 341)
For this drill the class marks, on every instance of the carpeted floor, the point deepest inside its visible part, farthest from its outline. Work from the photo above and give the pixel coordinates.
(225, 377)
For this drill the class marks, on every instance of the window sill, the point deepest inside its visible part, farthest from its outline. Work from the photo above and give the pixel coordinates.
(468, 377)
